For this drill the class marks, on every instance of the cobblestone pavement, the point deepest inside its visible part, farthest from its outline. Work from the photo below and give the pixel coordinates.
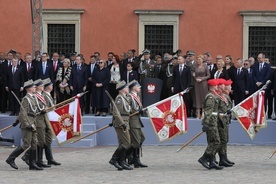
(90, 165)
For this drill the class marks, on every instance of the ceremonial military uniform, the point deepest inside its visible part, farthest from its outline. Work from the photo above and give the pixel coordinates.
(40, 123)
(121, 124)
(26, 119)
(48, 134)
(209, 123)
(136, 134)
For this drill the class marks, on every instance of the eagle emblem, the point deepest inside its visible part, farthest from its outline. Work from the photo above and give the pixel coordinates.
(151, 88)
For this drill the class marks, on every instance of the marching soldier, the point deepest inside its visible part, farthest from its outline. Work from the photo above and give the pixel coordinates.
(48, 87)
(225, 107)
(26, 118)
(40, 121)
(121, 124)
(209, 124)
(135, 124)
(146, 67)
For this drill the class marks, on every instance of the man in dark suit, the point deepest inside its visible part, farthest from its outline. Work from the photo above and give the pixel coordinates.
(3, 92)
(56, 63)
(14, 82)
(212, 67)
(44, 68)
(130, 74)
(181, 79)
(28, 68)
(131, 58)
(261, 74)
(89, 102)
(78, 79)
(249, 69)
(18, 55)
(240, 84)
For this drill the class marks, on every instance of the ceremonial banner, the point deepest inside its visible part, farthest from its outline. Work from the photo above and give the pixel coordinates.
(65, 122)
(251, 113)
(168, 117)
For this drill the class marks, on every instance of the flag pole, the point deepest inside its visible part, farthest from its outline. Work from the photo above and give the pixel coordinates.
(66, 101)
(96, 131)
(272, 154)
(191, 140)
(6, 128)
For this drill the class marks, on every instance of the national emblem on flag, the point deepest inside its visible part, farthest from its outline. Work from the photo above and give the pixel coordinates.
(66, 121)
(168, 117)
(251, 113)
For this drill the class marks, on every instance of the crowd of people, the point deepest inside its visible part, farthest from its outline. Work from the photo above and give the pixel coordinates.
(177, 70)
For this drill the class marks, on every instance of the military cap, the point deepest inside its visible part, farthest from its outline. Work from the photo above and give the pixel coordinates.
(121, 85)
(207, 53)
(39, 82)
(146, 51)
(221, 81)
(47, 82)
(133, 83)
(29, 84)
(213, 82)
(190, 53)
(73, 53)
(228, 82)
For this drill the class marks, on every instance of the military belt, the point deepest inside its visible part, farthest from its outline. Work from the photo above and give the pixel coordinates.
(217, 113)
(124, 114)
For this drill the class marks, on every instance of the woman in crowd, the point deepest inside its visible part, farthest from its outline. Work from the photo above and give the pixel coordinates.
(63, 76)
(228, 62)
(115, 75)
(221, 71)
(201, 75)
(101, 78)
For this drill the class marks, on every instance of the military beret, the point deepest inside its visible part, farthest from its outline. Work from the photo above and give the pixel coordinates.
(228, 82)
(39, 82)
(213, 82)
(47, 82)
(221, 81)
(133, 83)
(29, 84)
(121, 85)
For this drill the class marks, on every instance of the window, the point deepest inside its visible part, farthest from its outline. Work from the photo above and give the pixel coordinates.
(259, 34)
(159, 38)
(158, 30)
(61, 30)
(61, 38)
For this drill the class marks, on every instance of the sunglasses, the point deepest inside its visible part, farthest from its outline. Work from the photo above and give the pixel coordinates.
(245, 63)
(100, 62)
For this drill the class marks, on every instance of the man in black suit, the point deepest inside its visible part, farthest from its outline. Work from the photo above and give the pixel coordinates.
(89, 102)
(56, 63)
(3, 92)
(78, 79)
(44, 68)
(129, 75)
(18, 55)
(181, 79)
(212, 67)
(240, 84)
(131, 58)
(15, 83)
(28, 68)
(249, 69)
(261, 74)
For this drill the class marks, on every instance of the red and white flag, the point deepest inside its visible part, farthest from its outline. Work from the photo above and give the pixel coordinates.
(251, 113)
(66, 122)
(168, 117)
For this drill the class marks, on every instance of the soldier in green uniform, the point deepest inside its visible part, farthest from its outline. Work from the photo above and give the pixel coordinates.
(226, 109)
(48, 87)
(136, 134)
(223, 122)
(146, 67)
(26, 118)
(40, 121)
(121, 124)
(209, 124)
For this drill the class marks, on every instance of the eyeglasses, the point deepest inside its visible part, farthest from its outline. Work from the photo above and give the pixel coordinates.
(100, 62)
(245, 63)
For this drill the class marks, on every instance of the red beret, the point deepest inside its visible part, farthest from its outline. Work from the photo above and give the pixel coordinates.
(228, 83)
(221, 81)
(212, 82)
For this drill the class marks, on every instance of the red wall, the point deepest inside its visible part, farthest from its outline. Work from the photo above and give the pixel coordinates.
(112, 25)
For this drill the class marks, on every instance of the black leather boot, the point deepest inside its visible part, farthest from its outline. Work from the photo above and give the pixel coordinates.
(227, 160)
(39, 157)
(26, 157)
(136, 159)
(213, 165)
(32, 161)
(13, 156)
(49, 156)
(204, 161)
(129, 155)
(115, 158)
(122, 162)
(223, 162)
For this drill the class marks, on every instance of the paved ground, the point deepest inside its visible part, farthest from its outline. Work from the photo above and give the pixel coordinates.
(165, 166)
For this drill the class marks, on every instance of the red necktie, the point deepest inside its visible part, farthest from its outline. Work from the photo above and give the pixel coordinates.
(29, 67)
(55, 65)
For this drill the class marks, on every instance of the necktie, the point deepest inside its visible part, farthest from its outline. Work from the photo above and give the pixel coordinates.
(13, 70)
(29, 67)
(239, 71)
(92, 68)
(261, 67)
(180, 69)
(55, 66)
(44, 67)
(127, 76)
